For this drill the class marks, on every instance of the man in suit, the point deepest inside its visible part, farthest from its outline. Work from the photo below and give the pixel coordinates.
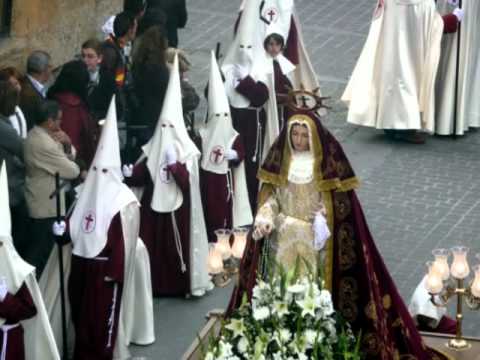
(47, 151)
(39, 72)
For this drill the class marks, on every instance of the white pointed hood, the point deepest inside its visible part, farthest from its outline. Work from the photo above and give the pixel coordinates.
(6, 222)
(218, 133)
(170, 130)
(12, 267)
(103, 194)
(38, 336)
(247, 51)
(276, 16)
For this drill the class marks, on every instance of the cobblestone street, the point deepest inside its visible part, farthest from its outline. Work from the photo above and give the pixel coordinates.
(416, 197)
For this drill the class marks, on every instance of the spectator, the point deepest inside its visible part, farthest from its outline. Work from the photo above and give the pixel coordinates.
(151, 75)
(153, 17)
(70, 90)
(116, 62)
(135, 7)
(98, 93)
(17, 120)
(48, 151)
(11, 151)
(39, 72)
(176, 13)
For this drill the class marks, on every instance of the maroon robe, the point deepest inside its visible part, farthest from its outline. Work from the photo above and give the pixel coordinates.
(95, 292)
(363, 291)
(450, 23)
(157, 232)
(13, 309)
(247, 121)
(216, 199)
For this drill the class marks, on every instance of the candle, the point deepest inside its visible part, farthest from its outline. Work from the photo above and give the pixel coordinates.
(434, 281)
(476, 282)
(215, 262)
(240, 242)
(460, 268)
(223, 243)
(441, 263)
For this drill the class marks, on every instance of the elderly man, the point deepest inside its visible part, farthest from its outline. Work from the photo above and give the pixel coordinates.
(47, 151)
(33, 85)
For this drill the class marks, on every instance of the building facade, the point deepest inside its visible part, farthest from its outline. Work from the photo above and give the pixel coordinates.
(57, 26)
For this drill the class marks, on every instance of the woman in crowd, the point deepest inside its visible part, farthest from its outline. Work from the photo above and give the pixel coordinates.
(70, 90)
(150, 74)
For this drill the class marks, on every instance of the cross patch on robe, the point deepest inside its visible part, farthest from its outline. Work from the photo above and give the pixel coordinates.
(217, 155)
(165, 174)
(271, 14)
(89, 222)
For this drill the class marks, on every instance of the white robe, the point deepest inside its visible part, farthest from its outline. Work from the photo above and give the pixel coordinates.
(468, 107)
(392, 85)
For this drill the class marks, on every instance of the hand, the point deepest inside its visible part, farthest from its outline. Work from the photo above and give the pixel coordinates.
(127, 170)
(459, 13)
(58, 228)
(240, 72)
(321, 231)
(261, 230)
(231, 155)
(61, 137)
(3, 288)
(108, 279)
(453, 2)
(171, 155)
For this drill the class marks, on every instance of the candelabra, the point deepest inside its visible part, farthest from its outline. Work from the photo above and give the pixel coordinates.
(444, 283)
(224, 256)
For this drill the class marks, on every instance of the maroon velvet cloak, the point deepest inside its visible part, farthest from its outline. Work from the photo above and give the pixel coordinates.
(362, 289)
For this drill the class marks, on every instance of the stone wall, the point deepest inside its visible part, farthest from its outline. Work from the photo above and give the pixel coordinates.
(57, 26)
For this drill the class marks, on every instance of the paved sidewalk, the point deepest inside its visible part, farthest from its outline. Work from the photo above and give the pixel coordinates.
(416, 197)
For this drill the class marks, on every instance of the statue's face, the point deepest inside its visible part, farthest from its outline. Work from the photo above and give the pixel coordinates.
(300, 138)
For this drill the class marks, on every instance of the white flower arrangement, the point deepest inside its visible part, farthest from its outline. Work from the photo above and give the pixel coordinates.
(289, 318)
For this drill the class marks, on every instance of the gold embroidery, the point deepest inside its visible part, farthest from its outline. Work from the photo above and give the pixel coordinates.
(387, 302)
(370, 344)
(346, 243)
(342, 206)
(348, 294)
(371, 311)
(328, 264)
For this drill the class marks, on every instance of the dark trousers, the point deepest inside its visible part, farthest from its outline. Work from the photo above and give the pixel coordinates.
(40, 243)
(20, 225)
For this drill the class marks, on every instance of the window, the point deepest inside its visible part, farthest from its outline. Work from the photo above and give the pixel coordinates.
(5, 16)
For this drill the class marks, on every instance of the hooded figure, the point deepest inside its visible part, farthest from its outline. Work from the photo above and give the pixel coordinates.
(224, 189)
(468, 107)
(306, 170)
(392, 85)
(25, 332)
(104, 231)
(172, 221)
(247, 76)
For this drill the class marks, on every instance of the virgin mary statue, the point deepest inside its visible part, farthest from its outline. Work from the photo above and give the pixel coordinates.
(308, 208)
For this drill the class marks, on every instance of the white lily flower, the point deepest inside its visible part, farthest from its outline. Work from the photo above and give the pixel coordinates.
(296, 289)
(280, 308)
(308, 306)
(237, 327)
(261, 313)
(242, 345)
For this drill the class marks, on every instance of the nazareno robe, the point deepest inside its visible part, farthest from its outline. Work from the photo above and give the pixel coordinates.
(216, 196)
(157, 232)
(14, 308)
(250, 124)
(363, 291)
(95, 294)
